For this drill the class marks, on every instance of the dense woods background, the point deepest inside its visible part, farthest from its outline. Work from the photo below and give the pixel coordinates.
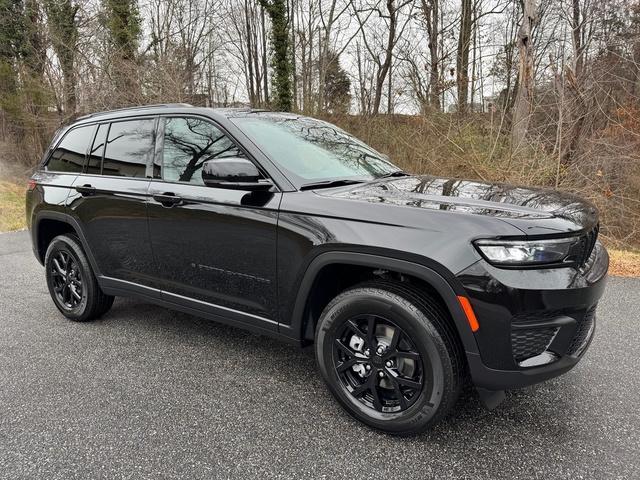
(542, 92)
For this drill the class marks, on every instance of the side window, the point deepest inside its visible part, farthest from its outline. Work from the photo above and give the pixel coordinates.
(69, 156)
(94, 165)
(129, 145)
(188, 143)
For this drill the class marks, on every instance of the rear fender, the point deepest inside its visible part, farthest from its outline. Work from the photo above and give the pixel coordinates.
(68, 219)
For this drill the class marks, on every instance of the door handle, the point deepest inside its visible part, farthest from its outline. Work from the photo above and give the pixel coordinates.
(168, 199)
(86, 190)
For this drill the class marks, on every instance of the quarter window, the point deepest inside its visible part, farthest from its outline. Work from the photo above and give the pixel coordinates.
(188, 143)
(130, 146)
(70, 154)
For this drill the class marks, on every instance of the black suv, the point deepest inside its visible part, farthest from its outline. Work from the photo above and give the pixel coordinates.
(290, 227)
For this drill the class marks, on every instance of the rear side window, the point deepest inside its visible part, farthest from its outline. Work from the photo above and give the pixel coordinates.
(94, 165)
(188, 143)
(130, 145)
(70, 154)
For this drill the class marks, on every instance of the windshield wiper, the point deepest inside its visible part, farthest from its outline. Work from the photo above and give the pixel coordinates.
(396, 173)
(329, 184)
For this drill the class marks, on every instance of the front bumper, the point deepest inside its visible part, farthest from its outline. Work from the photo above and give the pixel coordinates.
(535, 324)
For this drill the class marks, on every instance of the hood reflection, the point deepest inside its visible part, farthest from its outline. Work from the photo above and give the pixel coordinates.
(498, 200)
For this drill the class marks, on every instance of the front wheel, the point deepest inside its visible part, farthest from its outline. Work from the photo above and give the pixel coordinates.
(389, 356)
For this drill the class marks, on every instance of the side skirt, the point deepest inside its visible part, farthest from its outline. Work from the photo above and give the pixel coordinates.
(210, 311)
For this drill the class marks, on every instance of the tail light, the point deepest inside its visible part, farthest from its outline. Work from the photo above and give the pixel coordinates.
(31, 185)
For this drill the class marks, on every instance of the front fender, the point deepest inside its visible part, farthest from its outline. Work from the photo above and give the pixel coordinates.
(435, 275)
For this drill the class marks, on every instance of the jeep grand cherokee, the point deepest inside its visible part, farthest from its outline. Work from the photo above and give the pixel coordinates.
(407, 285)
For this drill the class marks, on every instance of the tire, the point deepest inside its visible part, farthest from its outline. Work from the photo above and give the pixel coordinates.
(72, 284)
(416, 391)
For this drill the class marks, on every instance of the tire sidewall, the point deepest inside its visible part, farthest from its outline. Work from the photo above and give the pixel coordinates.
(417, 326)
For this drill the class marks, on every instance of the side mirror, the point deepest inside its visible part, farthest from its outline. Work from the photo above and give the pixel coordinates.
(234, 173)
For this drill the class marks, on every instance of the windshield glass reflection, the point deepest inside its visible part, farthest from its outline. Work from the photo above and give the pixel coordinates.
(311, 149)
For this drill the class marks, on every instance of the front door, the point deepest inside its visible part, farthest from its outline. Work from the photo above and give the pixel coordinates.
(214, 248)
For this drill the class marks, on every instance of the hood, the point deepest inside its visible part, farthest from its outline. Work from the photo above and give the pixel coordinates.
(516, 205)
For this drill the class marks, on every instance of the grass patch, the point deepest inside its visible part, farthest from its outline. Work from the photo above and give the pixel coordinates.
(12, 216)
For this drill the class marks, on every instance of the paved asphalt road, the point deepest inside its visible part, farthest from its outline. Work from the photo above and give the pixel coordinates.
(150, 393)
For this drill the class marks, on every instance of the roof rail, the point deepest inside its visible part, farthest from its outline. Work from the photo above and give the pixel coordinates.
(153, 105)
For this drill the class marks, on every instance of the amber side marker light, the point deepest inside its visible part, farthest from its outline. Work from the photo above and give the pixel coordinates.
(468, 311)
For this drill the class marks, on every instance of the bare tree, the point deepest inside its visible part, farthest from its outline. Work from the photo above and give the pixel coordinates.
(325, 58)
(431, 13)
(394, 29)
(63, 25)
(524, 98)
(581, 23)
(462, 58)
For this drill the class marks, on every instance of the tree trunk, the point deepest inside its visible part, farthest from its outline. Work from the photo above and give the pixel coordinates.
(431, 11)
(474, 59)
(308, 103)
(277, 10)
(123, 23)
(364, 110)
(390, 90)
(63, 25)
(256, 64)
(524, 99)
(388, 56)
(303, 73)
(35, 51)
(323, 57)
(462, 57)
(251, 74)
(294, 74)
(577, 29)
(576, 102)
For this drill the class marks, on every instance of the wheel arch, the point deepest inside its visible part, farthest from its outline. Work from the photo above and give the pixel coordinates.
(435, 276)
(48, 225)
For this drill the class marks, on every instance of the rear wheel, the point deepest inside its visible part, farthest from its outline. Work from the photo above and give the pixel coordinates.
(389, 356)
(72, 284)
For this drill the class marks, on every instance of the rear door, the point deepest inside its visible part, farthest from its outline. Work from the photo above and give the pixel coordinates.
(61, 169)
(109, 200)
(214, 248)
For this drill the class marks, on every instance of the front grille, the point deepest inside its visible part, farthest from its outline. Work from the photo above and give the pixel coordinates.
(582, 251)
(530, 342)
(583, 332)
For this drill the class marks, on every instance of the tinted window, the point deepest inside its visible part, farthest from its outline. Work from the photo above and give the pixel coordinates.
(129, 146)
(69, 155)
(188, 143)
(97, 149)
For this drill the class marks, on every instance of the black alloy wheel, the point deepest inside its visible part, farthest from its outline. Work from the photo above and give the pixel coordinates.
(71, 281)
(378, 363)
(67, 279)
(390, 356)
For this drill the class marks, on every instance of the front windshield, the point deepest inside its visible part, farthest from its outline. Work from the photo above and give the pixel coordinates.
(313, 150)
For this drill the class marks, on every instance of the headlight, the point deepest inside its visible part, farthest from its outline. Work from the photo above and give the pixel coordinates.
(525, 252)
